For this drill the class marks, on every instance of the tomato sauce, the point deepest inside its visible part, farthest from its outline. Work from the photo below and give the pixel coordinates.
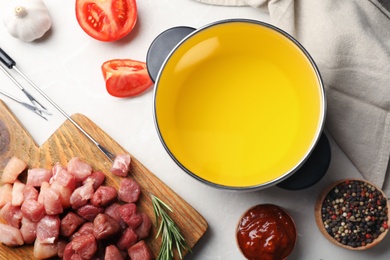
(266, 232)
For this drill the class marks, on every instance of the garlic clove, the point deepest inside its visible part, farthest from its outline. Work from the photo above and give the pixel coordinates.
(27, 20)
(20, 11)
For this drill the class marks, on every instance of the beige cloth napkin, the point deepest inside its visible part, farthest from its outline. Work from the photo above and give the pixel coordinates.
(350, 42)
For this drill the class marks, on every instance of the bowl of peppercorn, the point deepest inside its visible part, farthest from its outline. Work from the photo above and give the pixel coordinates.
(353, 214)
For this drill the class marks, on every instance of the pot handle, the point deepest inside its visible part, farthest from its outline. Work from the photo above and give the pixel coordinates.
(162, 46)
(313, 169)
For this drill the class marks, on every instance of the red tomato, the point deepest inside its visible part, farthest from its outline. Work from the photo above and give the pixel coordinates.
(106, 20)
(126, 78)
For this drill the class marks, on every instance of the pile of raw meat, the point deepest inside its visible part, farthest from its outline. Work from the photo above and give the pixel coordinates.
(68, 212)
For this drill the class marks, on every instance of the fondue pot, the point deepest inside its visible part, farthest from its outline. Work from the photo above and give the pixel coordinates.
(240, 105)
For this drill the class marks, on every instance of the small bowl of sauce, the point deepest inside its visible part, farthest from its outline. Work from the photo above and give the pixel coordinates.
(266, 232)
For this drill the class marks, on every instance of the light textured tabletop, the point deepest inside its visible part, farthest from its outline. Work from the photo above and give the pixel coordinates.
(66, 63)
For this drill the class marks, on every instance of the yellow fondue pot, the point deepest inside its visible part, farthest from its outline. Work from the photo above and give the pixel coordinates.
(238, 104)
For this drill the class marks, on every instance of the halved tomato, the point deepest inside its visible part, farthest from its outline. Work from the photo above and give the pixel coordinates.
(126, 78)
(106, 20)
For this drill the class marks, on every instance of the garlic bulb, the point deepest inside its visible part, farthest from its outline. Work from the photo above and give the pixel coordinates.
(26, 19)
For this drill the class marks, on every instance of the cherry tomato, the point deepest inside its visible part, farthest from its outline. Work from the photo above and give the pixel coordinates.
(126, 78)
(106, 20)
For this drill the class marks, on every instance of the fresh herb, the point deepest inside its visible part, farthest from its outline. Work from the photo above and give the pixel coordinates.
(169, 231)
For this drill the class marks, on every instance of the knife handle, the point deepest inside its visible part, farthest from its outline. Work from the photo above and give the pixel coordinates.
(6, 59)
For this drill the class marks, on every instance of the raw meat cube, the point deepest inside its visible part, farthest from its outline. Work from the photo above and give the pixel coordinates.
(140, 251)
(13, 168)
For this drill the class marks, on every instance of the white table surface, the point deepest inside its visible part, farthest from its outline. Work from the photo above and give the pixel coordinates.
(66, 63)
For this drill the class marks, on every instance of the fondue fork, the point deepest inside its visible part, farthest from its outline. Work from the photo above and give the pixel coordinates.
(10, 63)
(35, 109)
(39, 107)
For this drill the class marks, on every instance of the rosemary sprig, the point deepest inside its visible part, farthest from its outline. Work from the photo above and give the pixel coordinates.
(168, 230)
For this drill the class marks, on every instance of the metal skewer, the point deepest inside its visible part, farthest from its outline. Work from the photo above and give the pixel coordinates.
(11, 64)
(7, 60)
(28, 95)
(35, 109)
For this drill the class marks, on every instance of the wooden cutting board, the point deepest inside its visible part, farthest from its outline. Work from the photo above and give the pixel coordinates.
(68, 142)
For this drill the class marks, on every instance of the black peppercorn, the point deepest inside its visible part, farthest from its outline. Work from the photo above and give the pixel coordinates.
(354, 213)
